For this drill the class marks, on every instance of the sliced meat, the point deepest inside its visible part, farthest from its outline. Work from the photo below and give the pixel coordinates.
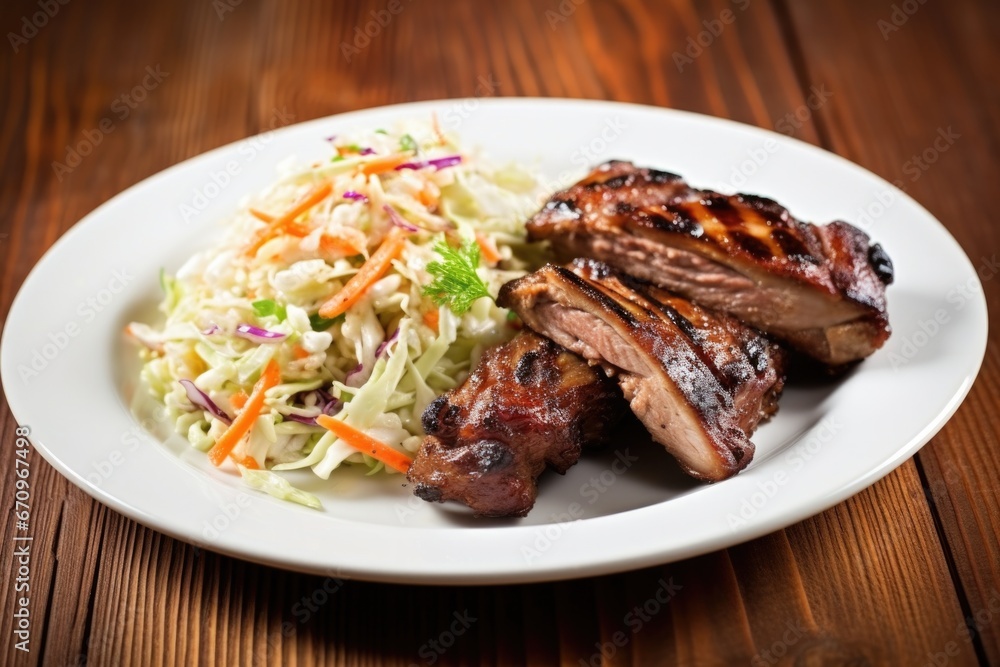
(699, 382)
(528, 404)
(821, 288)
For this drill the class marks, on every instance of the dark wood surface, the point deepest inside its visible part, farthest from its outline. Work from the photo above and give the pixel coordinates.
(905, 573)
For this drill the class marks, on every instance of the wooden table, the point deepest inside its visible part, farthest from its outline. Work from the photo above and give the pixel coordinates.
(896, 575)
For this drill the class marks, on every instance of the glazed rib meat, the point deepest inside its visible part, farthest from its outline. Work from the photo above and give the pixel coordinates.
(698, 381)
(528, 404)
(819, 287)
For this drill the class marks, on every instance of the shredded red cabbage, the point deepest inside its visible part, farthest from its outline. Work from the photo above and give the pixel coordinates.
(386, 343)
(354, 371)
(437, 163)
(202, 400)
(311, 421)
(331, 406)
(315, 398)
(356, 196)
(367, 151)
(327, 407)
(258, 335)
(211, 330)
(398, 220)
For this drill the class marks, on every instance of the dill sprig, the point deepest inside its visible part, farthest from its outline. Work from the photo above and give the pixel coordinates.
(456, 283)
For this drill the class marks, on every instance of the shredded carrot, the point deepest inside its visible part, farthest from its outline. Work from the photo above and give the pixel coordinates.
(369, 272)
(432, 318)
(285, 222)
(338, 245)
(245, 419)
(427, 197)
(488, 248)
(437, 129)
(260, 215)
(385, 163)
(246, 461)
(239, 399)
(293, 228)
(366, 444)
(299, 352)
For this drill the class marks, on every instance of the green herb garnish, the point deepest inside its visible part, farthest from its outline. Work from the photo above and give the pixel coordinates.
(456, 283)
(407, 143)
(336, 158)
(268, 307)
(320, 323)
(380, 131)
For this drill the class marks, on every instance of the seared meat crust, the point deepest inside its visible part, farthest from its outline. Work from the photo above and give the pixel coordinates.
(700, 382)
(821, 288)
(528, 404)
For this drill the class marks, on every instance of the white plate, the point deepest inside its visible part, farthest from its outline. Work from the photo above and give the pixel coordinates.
(826, 443)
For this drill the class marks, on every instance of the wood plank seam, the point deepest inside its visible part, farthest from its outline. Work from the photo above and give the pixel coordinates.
(963, 597)
(46, 625)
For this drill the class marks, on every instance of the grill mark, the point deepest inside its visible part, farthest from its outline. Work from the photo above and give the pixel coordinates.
(595, 294)
(624, 208)
(755, 349)
(674, 224)
(682, 221)
(642, 287)
(682, 323)
(694, 336)
(751, 245)
(696, 343)
(525, 371)
(792, 246)
(768, 208)
(722, 208)
(661, 177)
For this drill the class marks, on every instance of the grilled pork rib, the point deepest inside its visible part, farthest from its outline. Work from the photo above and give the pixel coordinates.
(699, 382)
(819, 287)
(527, 404)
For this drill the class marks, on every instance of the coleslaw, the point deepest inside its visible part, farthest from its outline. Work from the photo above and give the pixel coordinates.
(321, 302)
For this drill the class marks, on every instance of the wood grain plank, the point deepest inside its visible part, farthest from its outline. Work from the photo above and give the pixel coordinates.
(867, 581)
(954, 47)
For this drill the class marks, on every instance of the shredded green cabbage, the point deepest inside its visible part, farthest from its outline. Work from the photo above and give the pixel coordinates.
(382, 362)
(279, 487)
